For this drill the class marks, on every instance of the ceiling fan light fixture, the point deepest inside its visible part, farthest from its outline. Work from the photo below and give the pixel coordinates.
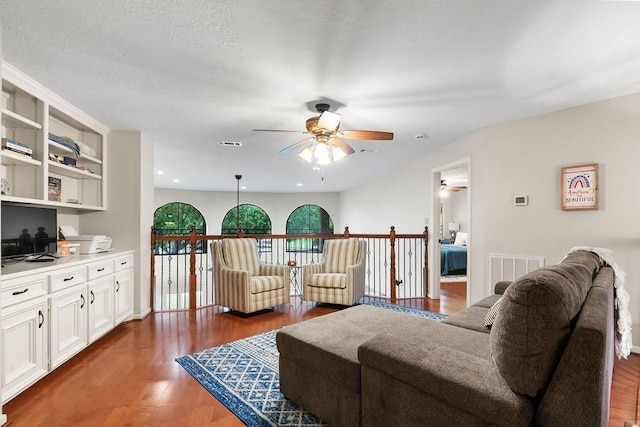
(323, 153)
(307, 154)
(329, 121)
(338, 154)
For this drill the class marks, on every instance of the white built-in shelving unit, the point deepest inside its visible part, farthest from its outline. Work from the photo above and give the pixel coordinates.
(30, 113)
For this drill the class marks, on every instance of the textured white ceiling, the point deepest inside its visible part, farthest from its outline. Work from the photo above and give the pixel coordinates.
(192, 72)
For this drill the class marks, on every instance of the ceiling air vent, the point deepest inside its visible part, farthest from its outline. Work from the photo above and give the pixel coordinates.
(231, 143)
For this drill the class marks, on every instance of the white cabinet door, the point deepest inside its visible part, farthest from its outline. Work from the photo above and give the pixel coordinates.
(24, 351)
(123, 283)
(101, 314)
(68, 323)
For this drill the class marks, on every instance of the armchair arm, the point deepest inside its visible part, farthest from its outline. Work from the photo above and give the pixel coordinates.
(462, 382)
(356, 277)
(309, 269)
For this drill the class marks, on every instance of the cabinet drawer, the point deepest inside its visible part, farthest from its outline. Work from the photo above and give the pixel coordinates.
(19, 290)
(123, 262)
(67, 278)
(100, 269)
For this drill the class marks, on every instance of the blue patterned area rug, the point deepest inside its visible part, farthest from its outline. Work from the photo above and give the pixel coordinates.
(243, 375)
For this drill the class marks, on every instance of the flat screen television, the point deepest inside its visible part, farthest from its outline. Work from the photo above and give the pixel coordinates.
(28, 230)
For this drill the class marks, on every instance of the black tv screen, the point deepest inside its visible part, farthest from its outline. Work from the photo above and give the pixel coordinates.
(28, 230)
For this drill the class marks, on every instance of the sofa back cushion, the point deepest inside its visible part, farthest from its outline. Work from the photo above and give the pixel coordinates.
(241, 254)
(536, 318)
(340, 254)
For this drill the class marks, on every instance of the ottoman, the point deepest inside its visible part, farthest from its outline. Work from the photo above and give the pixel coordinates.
(319, 367)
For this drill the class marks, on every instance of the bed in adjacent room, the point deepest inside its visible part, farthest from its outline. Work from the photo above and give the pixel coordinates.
(453, 257)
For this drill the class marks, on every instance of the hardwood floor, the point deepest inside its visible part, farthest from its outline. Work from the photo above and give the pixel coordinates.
(130, 378)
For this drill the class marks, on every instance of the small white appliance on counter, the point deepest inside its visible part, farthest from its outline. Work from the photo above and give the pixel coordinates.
(89, 243)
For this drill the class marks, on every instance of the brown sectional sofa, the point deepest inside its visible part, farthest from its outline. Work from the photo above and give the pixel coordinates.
(547, 360)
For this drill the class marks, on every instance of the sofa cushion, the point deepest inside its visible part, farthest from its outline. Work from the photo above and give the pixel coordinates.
(536, 314)
(488, 301)
(470, 318)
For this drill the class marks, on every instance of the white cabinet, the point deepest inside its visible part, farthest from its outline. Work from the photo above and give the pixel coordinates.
(123, 288)
(24, 336)
(51, 313)
(123, 295)
(61, 152)
(68, 311)
(101, 314)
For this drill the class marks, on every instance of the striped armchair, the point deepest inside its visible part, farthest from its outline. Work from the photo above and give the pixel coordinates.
(340, 279)
(242, 282)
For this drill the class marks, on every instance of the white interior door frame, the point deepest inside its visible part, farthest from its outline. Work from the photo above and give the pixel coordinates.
(433, 290)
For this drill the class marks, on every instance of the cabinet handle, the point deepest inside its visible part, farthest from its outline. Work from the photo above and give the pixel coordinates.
(41, 319)
(101, 269)
(123, 263)
(68, 278)
(20, 292)
(82, 301)
(118, 288)
(93, 297)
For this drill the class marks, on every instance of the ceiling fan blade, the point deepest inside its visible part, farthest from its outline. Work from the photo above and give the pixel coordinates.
(279, 130)
(293, 147)
(329, 121)
(342, 145)
(370, 135)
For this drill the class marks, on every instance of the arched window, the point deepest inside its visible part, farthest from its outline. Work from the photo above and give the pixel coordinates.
(252, 219)
(308, 219)
(176, 219)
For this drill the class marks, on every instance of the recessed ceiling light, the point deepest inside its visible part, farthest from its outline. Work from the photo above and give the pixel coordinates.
(244, 187)
(176, 180)
(160, 172)
(299, 184)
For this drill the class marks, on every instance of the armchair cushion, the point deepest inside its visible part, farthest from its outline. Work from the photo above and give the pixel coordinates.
(328, 280)
(241, 254)
(265, 283)
(340, 254)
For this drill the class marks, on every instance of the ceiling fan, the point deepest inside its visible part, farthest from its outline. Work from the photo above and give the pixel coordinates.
(325, 143)
(450, 188)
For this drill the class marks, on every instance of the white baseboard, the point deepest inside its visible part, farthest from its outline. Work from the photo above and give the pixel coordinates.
(635, 349)
(3, 419)
(141, 315)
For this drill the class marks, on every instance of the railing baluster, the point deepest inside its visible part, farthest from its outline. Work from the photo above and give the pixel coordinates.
(391, 258)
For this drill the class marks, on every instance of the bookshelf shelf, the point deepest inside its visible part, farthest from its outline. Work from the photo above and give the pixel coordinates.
(17, 159)
(57, 147)
(71, 172)
(13, 120)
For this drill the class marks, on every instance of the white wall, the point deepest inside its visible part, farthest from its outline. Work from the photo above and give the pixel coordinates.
(524, 158)
(214, 205)
(129, 214)
(459, 202)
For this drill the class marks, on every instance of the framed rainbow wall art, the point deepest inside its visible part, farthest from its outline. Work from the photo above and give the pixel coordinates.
(579, 187)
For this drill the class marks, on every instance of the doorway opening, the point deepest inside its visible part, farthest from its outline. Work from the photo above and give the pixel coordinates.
(450, 242)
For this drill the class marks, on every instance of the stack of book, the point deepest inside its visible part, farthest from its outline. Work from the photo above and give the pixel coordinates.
(16, 147)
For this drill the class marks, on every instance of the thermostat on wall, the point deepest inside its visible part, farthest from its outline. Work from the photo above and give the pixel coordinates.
(521, 200)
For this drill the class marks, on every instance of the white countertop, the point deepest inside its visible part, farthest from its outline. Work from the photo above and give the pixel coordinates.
(13, 269)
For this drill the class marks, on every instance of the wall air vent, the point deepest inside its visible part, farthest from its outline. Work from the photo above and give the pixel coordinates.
(231, 143)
